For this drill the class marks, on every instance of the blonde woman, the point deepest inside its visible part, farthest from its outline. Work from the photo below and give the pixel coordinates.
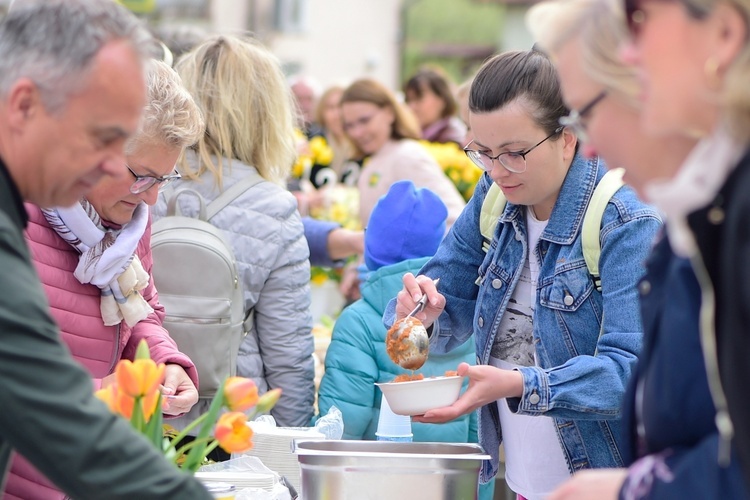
(672, 441)
(239, 86)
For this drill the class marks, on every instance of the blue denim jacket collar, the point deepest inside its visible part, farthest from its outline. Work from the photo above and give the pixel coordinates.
(567, 214)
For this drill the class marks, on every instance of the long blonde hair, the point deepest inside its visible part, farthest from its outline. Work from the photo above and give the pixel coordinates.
(248, 108)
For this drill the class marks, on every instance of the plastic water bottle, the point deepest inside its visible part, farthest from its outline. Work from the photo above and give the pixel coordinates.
(392, 427)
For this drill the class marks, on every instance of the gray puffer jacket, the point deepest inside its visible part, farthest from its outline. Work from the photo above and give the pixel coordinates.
(267, 236)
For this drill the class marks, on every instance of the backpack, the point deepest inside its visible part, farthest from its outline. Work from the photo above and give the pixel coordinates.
(494, 204)
(195, 273)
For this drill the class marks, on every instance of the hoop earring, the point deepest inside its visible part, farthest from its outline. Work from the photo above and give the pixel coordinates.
(711, 69)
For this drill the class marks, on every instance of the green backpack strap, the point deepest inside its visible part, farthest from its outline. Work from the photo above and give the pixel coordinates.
(592, 221)
(494, 204)
(492, 208)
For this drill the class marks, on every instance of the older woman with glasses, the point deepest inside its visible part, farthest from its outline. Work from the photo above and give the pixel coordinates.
(94, 260)
(694, 58)
(556, 351)
(671, 436)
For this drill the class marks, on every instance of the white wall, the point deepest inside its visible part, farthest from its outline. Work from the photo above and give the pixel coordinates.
(340, 40)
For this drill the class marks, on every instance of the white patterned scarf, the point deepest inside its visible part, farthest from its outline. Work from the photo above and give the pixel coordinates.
(695, 185)
(107, 258)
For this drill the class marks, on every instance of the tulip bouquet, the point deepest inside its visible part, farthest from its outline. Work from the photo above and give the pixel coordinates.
(136, 395)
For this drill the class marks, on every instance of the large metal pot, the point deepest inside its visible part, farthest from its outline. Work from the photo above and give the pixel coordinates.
(381, 470)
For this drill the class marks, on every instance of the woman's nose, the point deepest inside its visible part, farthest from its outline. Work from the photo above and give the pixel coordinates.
(150, 195)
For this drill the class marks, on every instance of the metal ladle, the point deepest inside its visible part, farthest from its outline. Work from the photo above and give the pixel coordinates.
(410, 350)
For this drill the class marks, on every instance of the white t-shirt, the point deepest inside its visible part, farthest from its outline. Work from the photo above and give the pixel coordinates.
(534, 460)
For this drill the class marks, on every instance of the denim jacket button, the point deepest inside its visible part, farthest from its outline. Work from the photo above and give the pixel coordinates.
(480, 322)
(497, 283)
(534, 398)
(644, 287)
(568, 300)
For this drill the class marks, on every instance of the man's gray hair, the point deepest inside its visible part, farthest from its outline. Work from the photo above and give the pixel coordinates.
(54, 43)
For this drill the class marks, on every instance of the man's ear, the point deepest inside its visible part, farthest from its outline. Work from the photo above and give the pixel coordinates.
(23, 102)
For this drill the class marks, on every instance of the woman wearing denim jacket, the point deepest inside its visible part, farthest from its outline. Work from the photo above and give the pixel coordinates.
(554, 353)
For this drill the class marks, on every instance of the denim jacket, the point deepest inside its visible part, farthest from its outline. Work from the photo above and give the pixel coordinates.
(586, 341)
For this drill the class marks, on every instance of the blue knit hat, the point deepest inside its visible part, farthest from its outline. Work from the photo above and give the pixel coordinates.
(406, 223)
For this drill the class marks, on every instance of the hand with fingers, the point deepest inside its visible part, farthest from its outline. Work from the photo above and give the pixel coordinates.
(415, 287)
(487, 384)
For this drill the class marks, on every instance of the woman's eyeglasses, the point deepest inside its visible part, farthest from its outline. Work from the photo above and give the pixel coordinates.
(512, 161)
(574, 121)
(145, 182)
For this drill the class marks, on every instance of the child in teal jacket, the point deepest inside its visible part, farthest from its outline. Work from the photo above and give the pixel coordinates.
(403, 232)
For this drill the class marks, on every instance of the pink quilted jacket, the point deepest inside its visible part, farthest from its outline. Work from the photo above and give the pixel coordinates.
(75, 307)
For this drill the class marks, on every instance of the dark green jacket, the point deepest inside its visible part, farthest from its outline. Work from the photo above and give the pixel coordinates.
(47, 409)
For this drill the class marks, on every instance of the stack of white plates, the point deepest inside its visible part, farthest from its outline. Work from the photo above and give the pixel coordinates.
(273, 446)
(240, 479)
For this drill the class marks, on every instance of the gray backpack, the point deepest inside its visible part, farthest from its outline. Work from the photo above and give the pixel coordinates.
(195, 273)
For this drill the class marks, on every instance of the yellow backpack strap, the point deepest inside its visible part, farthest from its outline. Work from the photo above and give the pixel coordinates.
(592, 221)
(492, 208)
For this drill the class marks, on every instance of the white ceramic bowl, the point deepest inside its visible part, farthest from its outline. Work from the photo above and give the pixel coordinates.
(417, 396)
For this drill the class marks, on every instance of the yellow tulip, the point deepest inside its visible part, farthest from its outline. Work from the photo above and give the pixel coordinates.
(109, 396)
(233, 433)
(240, 393)
(140, 377)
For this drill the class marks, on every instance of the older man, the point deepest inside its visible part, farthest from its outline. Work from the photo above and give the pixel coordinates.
(71, 92)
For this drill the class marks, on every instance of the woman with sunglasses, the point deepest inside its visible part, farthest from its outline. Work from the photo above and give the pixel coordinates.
(94, 260)
(668, 413)
(555, 352)
(694, 60)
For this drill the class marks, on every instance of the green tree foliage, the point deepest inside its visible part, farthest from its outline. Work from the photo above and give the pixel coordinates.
(451, 34)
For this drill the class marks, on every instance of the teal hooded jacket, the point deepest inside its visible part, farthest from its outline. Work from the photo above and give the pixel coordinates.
(356, 359)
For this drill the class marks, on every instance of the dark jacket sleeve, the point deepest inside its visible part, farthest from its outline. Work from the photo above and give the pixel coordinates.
(685, 473)
(50, 414)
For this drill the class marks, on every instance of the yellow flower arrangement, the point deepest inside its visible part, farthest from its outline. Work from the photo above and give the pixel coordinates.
(456, 165)
(136, 396)
(315, 151)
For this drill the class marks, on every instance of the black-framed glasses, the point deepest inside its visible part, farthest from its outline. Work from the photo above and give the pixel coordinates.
(574, 121)
(145, 182)
(512, 161)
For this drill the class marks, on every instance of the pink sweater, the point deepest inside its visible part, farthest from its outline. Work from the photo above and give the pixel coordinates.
(405, 160)
(75, 307)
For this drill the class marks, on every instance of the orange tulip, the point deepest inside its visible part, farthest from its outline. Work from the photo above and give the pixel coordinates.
(240, 393)
(125, 404)
(148, 403)
(140, 377)
(233, 433)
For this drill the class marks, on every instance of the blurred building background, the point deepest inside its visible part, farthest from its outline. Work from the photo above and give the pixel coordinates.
(336, 41)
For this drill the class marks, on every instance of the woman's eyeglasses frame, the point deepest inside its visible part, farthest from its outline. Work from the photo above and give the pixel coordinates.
(477, 157)
(143, 183)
